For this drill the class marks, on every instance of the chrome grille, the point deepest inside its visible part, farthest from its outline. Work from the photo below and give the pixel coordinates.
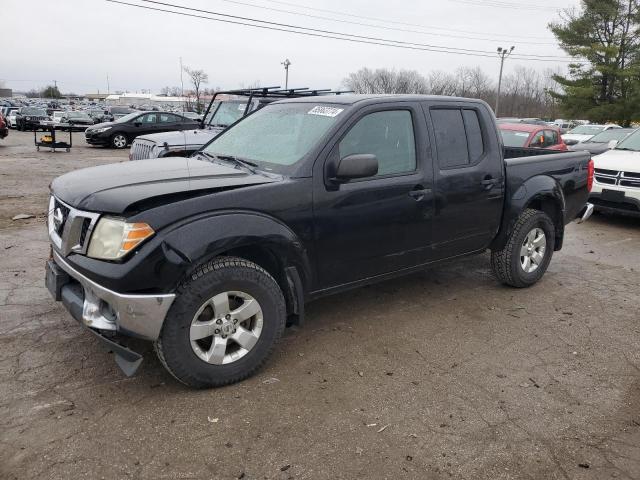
(70, 229)
(141, 150)
(615, 177)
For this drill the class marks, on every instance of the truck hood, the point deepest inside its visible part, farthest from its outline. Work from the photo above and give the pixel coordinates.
(125, 187)
(180, 138)
(573, 138)
(621, 160)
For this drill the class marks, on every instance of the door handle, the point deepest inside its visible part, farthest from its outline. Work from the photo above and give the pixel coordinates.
(419, 193)
(489, 182)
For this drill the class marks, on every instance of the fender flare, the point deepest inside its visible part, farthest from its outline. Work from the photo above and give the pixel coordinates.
(198, 240)
(541, 192)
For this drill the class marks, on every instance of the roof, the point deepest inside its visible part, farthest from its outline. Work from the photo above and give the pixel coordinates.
(525, 127)
(352, 99)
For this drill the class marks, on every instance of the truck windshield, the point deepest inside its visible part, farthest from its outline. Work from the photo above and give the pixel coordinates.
(632, 142)
(277, 136)
(514, 138)
(586, 130)
(227, 113)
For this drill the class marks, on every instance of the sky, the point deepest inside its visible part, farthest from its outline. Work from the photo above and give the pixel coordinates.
(79, 43)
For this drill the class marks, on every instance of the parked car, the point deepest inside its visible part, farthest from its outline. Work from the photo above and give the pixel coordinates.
(4, 128)
(603, 141)
(218, 116)
(523, 135)
(29, 118)
(98, 115)
(616, 188)
(582, 133)
(114, 113)
(78, 120)
(121, 132)
(57, 115)
(192, 115)
(11, 117)
(210, 256)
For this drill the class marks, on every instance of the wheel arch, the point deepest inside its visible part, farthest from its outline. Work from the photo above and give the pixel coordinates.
(541, 193)
(256, 237)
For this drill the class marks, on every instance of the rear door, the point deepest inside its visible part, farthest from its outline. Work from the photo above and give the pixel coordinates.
(469, 177)
(381, 224)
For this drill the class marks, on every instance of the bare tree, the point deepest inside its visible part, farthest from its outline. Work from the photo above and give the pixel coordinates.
(170, 91)
(198, 78)
(383, 81)
(526, 92)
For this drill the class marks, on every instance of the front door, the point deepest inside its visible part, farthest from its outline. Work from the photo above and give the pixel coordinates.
(380, 224)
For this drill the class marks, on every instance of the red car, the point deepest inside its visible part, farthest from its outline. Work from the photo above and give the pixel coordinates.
(4, 128)
(523, 135)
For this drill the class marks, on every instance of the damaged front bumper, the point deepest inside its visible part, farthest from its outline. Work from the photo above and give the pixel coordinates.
(107, 313)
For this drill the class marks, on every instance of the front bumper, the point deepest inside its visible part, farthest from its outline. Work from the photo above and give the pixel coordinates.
(96, 138)
(102, 309)
(616, 199)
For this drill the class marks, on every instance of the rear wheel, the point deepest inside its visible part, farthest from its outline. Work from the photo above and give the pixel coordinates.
(223, 325)
(528, 251)
(119, 140)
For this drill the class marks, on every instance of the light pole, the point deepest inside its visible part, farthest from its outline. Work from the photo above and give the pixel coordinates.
(502, 53)
(286, 64)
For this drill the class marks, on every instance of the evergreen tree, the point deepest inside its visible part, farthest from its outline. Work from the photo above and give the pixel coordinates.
(51, 92)
(604, 83)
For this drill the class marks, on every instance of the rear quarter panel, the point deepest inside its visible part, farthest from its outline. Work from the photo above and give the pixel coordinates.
(560, 178)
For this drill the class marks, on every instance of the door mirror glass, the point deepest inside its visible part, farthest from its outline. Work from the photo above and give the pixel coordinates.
(612, 144)
(360, 165)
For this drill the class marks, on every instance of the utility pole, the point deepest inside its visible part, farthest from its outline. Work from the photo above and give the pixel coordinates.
(503, 53)
(108, 87)
(286, 64)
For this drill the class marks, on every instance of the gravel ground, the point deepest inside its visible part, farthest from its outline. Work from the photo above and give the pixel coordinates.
(444, 374)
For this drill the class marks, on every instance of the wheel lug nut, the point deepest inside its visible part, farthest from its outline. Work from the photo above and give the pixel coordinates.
(235, 320)
(234, 330)
(216, 331)
(224, 336)
(227, 316)
(219, 321)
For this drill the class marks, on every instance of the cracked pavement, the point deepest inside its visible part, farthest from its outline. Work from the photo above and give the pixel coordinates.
(443, 374)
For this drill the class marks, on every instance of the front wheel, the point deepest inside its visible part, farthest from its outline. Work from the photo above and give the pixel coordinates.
(528, 251)
(119, 140)
(223, 324)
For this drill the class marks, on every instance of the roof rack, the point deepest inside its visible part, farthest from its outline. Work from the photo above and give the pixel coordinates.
(272, 92)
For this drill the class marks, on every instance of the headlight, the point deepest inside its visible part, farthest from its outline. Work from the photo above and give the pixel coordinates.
(100, 130)
(114, 238)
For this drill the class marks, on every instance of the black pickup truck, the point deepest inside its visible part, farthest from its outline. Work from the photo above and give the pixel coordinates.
(211, 256)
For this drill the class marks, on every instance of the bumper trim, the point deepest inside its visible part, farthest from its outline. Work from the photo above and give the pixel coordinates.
(127, 360)
(139, 316)
(585, 213)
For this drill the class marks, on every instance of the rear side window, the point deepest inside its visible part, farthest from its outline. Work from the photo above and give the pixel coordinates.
(459, 137)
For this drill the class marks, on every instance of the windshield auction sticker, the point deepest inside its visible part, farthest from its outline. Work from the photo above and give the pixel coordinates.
(325, 111)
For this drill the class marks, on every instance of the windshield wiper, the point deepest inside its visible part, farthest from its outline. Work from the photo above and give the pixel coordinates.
(241, 162)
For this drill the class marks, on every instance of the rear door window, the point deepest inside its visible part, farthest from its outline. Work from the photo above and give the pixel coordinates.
(459, 138)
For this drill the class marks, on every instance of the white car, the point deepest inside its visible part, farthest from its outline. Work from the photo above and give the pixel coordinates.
(584, 132)
(616, 185)
(11, 118)
(57, 116)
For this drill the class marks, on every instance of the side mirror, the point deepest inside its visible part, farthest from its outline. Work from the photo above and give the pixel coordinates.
(361, 165)
(612, 144)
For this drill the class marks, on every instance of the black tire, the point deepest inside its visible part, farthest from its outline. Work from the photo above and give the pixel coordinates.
(116, 140)
(222, 274)
(506, 263)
